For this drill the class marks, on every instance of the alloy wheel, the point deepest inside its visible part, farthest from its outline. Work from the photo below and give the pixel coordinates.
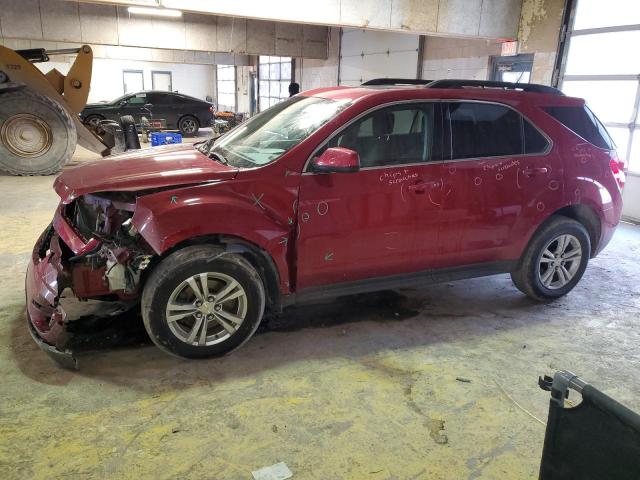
(560, 261)
(188, 125)
(206, 308)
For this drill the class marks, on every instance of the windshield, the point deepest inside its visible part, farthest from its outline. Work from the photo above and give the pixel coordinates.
(272, 133)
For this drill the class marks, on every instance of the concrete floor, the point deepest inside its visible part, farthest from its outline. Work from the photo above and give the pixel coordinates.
(359, 388)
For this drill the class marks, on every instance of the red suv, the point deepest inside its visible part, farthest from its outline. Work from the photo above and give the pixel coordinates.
(336, 191)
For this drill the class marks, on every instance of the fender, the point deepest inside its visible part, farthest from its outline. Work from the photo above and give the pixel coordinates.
(165, 219)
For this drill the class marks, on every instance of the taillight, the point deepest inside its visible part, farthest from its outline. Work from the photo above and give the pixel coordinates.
(211, 109)
(617, 168)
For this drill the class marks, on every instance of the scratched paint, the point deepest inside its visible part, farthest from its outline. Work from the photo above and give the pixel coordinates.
(396, 177)
(322, 208)
(257, 200)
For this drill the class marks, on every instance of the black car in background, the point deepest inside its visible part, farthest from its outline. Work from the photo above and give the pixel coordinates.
(181, 112)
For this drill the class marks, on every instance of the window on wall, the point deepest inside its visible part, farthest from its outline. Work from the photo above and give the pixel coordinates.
(226, 87)
(274, 76)
(161, 80)
(132, 81)
(601, 70)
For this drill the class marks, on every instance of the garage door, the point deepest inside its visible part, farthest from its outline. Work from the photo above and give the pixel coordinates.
(371, 54)
(603, 67)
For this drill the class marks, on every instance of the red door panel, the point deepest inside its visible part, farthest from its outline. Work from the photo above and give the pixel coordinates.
(353, 226)
(491, 204)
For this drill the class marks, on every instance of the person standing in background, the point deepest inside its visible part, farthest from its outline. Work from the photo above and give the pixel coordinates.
(294, 88)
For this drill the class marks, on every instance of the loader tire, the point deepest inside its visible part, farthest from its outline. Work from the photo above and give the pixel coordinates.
(37, 135)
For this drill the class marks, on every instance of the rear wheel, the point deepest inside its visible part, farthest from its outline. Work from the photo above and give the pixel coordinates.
(188, 126)
(554, 261)
(37, 135)
(202, 302)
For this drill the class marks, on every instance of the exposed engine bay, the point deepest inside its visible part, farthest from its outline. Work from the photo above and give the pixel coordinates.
(115, 264)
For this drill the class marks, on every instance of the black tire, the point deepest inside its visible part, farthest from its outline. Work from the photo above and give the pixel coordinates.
(188, 126)
(92, 121)
(112, 135)
(131, 140)
(48, 122)
(530, 272)
(171, 274)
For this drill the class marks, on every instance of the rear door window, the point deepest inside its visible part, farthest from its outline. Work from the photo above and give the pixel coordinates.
(582, 121)
(484, 130)
(481, 130)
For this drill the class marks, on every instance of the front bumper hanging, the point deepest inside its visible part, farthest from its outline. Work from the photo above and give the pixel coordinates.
(44, 281)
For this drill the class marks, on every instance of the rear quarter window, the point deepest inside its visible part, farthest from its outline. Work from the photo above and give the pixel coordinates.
(582, 122)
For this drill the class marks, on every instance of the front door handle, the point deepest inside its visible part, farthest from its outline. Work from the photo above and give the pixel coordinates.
(531, 171)
(422, 186)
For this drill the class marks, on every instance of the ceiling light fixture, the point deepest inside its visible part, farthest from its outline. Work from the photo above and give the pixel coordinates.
(158, 12)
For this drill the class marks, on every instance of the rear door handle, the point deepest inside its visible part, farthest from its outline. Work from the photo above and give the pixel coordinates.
(422, 186)
(531, 171)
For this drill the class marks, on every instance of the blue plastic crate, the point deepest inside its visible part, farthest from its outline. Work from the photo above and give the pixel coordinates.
(165, 138)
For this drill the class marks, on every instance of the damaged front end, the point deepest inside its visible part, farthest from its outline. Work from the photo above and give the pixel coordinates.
(92, 248)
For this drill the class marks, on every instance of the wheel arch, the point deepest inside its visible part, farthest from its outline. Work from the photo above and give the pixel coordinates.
(188, 115)
(98, 115)
(258, 257)
(583, 214)
(588, 218)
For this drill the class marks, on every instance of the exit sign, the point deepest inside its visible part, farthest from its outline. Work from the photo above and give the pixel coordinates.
(509, 49)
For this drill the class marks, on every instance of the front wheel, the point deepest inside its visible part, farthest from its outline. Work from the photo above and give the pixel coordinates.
(554, 261)
(202, 302)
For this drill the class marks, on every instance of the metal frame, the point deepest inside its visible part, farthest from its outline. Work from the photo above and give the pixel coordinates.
(124, 85)
(634, 122)
(153, 87)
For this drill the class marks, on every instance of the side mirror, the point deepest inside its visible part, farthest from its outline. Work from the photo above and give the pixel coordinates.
(336, 160)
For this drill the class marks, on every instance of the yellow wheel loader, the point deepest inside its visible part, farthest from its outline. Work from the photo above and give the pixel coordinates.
(39, 122)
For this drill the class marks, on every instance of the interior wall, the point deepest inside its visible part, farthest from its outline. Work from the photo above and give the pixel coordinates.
(106, 82)
(468, 59)
(72, 21)
(483, 18)
(313, 73)
(538, 33)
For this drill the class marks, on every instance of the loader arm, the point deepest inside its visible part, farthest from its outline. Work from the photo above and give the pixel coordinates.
(70, 92)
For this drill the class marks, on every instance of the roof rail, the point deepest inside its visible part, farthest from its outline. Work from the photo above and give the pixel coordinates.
(525, 87)
(395, 81)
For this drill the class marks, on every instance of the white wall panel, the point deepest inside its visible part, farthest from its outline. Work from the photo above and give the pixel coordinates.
(106, 82)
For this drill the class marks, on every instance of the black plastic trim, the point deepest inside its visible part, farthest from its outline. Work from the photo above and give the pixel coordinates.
(405, 280)
(525, 87)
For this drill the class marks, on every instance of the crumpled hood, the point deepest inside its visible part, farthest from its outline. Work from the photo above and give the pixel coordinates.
(157, 167)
